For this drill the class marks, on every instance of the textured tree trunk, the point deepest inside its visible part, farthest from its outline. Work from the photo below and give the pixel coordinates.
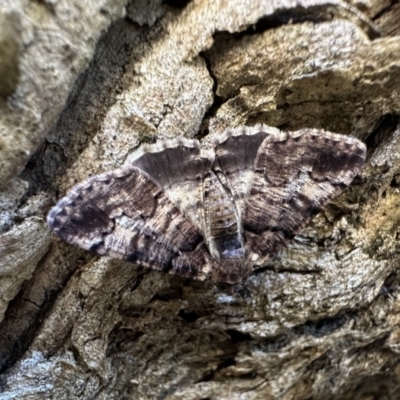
(83, 84)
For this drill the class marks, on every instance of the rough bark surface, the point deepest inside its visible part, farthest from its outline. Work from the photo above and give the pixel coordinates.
(82, 85)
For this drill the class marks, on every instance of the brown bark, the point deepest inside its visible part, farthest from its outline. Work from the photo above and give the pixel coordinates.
(84, 84)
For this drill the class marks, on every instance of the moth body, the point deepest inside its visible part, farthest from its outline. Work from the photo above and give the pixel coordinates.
(216, 213)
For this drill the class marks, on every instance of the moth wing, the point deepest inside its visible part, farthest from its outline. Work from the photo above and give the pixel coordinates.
(235, 153)
(295, 176)
(179, 167)
(124, 214)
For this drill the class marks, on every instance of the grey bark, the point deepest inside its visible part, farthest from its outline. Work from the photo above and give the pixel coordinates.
(82, 85)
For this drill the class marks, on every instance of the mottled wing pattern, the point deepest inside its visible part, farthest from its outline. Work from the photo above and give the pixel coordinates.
(196, 213)
(124, 214)
(295, 175)
(179, 167)
(235, 153)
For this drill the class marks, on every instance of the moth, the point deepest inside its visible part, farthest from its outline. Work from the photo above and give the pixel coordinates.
(209, 213)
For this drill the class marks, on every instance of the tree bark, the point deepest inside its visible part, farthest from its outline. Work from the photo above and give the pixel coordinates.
(82, 85)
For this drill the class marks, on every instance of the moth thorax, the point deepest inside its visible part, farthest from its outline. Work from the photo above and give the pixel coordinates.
(224, 237)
